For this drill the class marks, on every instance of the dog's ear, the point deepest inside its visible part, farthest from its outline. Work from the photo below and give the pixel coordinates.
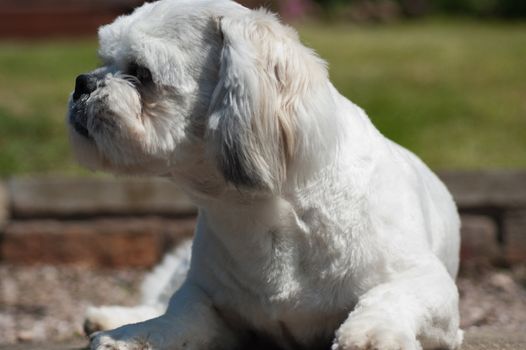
(253, 124)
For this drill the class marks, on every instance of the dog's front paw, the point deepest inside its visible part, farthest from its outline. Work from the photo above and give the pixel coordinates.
(157, 334)
(110, 317)
(374, 334)
(115, 341)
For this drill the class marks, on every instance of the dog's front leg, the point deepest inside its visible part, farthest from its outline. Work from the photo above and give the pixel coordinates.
(190, 323)
(418, 309)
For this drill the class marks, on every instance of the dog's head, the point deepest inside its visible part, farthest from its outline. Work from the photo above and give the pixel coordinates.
(201, 89)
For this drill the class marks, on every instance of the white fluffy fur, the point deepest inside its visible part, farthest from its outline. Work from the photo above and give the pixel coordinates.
(313, 228)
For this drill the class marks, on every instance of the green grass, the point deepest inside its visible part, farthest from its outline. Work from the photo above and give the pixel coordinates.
(35, 82)
(452, 91)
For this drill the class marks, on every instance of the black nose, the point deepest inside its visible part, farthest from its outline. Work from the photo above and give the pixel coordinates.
(85, 84)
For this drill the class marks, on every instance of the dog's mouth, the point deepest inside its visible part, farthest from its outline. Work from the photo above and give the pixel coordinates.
(81, 129)
(78, 119)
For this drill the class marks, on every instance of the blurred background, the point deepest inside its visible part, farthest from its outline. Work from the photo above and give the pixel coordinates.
(444, 78)
(426, 71)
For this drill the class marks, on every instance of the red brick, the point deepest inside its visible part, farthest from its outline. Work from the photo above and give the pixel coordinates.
(515, 236)
(110, 243)
(479, 240)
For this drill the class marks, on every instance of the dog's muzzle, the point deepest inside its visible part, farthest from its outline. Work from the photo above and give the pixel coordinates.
(85, 84)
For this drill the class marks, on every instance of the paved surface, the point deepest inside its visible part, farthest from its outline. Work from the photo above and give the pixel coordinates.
(494, 341)
(74, 346)
(473, 341)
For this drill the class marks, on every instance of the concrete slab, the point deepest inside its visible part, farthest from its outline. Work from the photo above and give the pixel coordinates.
(478, 340)
(489, 189)
(55, 197)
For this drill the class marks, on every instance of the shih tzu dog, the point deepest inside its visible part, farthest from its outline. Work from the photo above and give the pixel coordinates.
(314, 230)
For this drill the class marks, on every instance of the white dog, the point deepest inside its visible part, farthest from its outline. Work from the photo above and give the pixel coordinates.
(313, 228)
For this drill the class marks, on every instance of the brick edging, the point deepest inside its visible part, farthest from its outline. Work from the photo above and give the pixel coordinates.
(107, 243)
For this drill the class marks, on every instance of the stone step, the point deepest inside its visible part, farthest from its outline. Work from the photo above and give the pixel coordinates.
(478, 189)
(58, 197)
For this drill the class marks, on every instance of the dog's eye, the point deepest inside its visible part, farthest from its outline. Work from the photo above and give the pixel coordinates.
(142, 73)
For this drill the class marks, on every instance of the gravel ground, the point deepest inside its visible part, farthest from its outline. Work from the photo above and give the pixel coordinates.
(46, 304)
(40, 304)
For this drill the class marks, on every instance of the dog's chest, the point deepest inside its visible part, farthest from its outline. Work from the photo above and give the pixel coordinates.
(288, 274)
(288, 291)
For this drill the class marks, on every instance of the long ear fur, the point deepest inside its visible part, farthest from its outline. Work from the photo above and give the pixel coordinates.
(263, 77)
